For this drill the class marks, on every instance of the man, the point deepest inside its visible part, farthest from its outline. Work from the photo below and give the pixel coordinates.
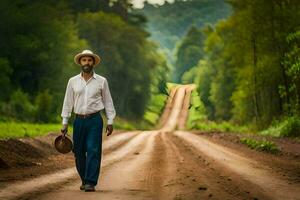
(88, 93)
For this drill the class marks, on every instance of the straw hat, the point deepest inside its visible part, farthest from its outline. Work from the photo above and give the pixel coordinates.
(87, 53)
(63, 144)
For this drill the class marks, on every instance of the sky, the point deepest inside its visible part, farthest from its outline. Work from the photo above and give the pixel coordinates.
(140, 3)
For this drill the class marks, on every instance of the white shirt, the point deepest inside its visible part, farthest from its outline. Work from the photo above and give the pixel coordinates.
(88, 97)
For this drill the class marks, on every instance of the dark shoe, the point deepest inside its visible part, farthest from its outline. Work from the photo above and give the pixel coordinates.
(82, 187)
(89, 188)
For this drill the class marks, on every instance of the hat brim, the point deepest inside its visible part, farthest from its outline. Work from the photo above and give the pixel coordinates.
(95, 56)
(63, 145)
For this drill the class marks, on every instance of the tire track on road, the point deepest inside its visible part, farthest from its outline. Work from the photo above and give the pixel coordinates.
(248, 170)
(128, 178)
(23, 188)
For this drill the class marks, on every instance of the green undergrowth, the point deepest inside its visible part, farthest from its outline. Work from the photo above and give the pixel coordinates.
(19, 129)
(212, 126)
(23, 129)
(197, 112)
(123, 124)
(288, 127)
(156, 106)
(197, 119)
(261, 145)
(14, 129)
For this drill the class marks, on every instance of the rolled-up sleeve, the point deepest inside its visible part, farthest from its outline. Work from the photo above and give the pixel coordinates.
(108, 103)
(68, 103)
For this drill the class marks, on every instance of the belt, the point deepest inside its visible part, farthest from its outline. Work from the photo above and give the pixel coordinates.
(87, 115)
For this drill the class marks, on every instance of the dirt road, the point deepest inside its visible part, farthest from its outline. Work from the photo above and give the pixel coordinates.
(172, 164)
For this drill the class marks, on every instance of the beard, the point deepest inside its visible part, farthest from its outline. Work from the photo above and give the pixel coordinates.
(87, 68)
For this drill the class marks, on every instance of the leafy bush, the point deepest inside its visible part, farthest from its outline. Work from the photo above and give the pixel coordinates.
(197, 112)
(289, 127)
(20, 107)
(43, 102)
(157, 102)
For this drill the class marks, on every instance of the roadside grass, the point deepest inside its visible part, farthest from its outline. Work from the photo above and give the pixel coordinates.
(20, 129)
(14, 129)
(288, 127)
(262, 145)
(197, 119)
(156, 106)
(23, 129)
(212, 126)
(197, 112)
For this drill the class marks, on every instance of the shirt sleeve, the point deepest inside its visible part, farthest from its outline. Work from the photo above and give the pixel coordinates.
(108, 103)
(68, 103)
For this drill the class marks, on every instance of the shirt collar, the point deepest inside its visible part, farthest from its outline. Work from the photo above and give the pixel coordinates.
(94, 75)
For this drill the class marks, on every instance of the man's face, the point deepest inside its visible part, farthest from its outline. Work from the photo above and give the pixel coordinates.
(87, 63)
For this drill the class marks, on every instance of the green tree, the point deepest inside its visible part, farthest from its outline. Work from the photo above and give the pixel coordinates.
(5, 82)
(129, 60)
(40, 41)
(253, 60)
(189, 52)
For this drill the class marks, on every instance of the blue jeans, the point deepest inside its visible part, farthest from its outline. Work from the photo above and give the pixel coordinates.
(87, 147)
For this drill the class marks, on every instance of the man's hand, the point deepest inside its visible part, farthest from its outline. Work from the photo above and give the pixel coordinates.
(109, 129)
(64, 129)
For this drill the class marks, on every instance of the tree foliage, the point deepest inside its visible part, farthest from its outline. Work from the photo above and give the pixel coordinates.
(40, 40)
(250, 71)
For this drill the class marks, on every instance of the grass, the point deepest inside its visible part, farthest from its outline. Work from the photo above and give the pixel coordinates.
(197, 119)
(212, 126)
(263, 145)
(17, 129)
(155, 107)
(197, 111)
(22, 129)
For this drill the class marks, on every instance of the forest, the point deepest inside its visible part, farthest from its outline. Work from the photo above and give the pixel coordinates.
(243, 55)
(40, 39)
(249, 71)
(170, 22)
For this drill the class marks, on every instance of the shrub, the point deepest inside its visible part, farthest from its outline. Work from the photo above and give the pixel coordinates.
(263, 145)
(20, 106)
(44, 107)
(289, 127)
